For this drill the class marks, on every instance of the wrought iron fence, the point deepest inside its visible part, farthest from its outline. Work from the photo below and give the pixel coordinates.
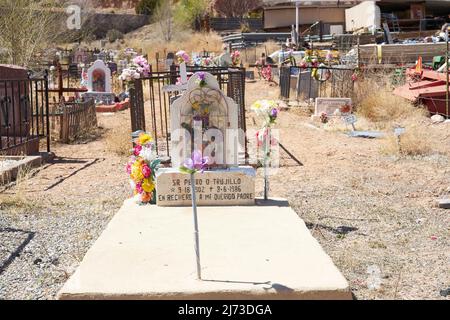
(310, 83)
(147, 97)
(24, 113)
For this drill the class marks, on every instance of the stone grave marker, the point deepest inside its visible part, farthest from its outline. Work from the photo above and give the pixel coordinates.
(112, 66)
(204, 119)
(230, 187)
(99, 83)
(329, 106)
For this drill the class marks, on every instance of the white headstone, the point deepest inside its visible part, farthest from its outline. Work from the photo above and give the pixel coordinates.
(99, 77)
(329, 105)
(218, 126)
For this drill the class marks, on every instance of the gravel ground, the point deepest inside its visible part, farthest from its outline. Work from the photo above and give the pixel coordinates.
(48, 222)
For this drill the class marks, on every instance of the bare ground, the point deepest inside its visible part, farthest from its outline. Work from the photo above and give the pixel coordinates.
(368, 211)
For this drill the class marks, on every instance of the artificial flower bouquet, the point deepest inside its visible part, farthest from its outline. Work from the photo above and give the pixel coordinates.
(182, 56)
(139, 67)
(267, 110)
(236, 58)
(142, 168)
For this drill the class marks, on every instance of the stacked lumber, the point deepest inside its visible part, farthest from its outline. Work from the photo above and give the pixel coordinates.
(400, 53)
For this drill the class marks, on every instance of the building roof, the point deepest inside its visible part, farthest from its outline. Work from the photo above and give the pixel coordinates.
(312, 2)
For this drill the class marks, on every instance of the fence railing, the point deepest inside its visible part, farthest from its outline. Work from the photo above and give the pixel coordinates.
(24, 114)
(310, 83)
(71, 119)
(149, 92)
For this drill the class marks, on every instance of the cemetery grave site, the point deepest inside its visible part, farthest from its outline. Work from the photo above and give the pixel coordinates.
(213, 164)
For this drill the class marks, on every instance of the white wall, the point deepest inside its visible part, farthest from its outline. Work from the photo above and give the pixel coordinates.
(364, 15)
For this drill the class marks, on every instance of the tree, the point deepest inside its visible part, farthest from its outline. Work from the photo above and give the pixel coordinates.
(164, 16)
(188, 11)
(236, 8)
(27, 27)
(147, 7)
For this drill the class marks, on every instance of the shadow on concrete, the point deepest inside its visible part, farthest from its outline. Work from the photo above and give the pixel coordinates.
(30, 235)
(233, 281)
(275, 286)
(272, 202)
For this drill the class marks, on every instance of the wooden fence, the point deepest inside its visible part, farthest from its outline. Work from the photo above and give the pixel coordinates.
(71, 119)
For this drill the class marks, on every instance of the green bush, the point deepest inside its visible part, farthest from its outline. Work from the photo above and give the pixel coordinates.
(146, 7)
(113, 35)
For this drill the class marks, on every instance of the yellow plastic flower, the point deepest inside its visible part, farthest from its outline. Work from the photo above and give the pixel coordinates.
(148, 185)
(144, 138)
(136, 171)
(257, 105)
(196, 106)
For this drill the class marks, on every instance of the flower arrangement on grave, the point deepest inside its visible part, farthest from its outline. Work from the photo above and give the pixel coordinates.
(191, 166)
(266, 72)
(142, 167)
(236, 58)
(138, 68)
(204, 61)
(267, 111)
(182, 56)
(324, 117)
(345, 109)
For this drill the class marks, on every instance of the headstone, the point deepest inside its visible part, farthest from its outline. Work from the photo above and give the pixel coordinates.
(73, 70)
(80, 56)
(250, 75)
(169, 60)
(330, 105)
(234, 186)
(205, 120)
(99, 77)
(219, 123)
(305, 86)
(99, 83)
(112, 66)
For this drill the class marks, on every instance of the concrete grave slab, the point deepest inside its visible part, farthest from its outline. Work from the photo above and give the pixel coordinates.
(249, 252)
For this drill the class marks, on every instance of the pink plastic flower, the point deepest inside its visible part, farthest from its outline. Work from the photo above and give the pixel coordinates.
(137, 150)
(139, 188)
(146, 171)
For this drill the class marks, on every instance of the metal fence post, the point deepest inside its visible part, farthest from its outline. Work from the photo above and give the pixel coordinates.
(47, 116)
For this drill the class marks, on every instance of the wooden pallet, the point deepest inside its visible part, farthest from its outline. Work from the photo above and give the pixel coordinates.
(400, 53)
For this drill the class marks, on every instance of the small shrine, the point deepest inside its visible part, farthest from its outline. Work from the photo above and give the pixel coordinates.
(99, 83)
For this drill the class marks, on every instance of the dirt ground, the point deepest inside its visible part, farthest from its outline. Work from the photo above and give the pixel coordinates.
(375, 215)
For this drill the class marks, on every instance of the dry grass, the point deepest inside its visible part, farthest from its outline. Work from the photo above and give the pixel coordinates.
(18, 200)
(118, 141)
(416, 141)
(375, 101)
(150, 40)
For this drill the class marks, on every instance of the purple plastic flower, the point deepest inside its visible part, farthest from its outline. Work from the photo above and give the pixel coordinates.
(196, 163)
(201, 76)
(274, 113)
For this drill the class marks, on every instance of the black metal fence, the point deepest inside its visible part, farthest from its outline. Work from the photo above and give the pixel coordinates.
(147, 98)
(310, 83)
(24, 113)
